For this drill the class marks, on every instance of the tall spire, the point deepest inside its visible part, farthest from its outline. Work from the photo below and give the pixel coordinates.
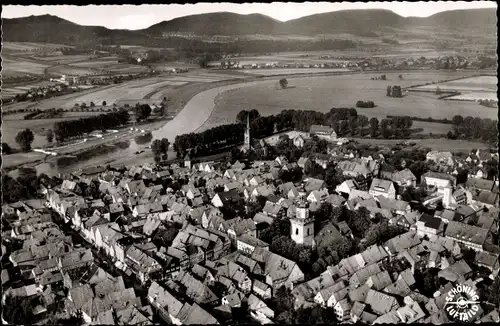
(248, 121)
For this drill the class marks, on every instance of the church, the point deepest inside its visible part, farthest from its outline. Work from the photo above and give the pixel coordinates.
(259, 147)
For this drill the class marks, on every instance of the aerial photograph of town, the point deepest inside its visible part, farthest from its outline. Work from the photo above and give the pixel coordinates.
(253, 163)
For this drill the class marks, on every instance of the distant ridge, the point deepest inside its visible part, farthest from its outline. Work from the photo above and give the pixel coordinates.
(47, 28)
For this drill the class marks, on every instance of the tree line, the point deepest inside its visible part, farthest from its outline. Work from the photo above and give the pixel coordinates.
(475, 128)
(67, 129)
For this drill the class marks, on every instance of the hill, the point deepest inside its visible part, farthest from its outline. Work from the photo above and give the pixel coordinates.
(344, 21)
(478, 20)
(52, 29)
(219, 23)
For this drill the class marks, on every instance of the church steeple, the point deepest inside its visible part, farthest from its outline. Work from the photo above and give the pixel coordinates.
(247, 134)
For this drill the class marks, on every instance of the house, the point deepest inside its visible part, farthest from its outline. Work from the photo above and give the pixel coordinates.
(478, 184)
(317, 196)
(305, 293)
(298, 141)
(404, 178)
(456, 272)
(247, 243)
(226, 198)
(174, 311)
(435, 181)
(257, 305)
(346, 187)
(485, 198)
(278, 270)
(471, 236)
(429, 225)
(324, 132)
(383, 188)
(237, 227)
(272, 209)
(262, 289)
(440, 157)
(483, 155)
(488, 260)
(380, 303)
(402, 242)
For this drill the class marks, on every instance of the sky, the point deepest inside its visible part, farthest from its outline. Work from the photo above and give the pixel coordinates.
(143, 16)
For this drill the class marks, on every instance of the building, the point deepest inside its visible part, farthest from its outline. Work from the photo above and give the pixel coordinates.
(383, 188)
(471, 236)
(302, 226)
(247, 145)
(435, 181)
(324, 132)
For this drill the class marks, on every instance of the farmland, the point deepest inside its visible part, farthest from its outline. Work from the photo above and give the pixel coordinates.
(477, 84)
(14, 123)
(148, 90)
(291, 71)
(18, 67)
(323, 93)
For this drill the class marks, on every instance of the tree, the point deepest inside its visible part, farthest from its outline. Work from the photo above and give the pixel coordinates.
(383, 77)
(6, 150)
(164, 237)
(373, 127)
(427, 282)
(457, 121)
(438, 91)
(104, 103)
(400, 77)
(283, 83)
(362, 121)
(25, 139)
(389, 91)
(92, 104)
(142, 111)
(382, 232)
(18, 310)
(50, 136)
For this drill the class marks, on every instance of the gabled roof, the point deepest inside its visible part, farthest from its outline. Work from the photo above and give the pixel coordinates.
(381, 185)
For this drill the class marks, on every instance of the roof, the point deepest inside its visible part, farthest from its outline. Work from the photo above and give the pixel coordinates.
(321, 129)
(437, 175)
(403, 176)
(454, 272)
(380, 280)
(402, 242)
(465, 232)
(379, 302)
(381, 185)
(430, 221)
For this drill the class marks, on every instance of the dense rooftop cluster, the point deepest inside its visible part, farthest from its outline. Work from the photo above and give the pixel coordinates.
(250, 241)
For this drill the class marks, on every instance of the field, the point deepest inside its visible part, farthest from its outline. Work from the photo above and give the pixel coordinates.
(14, 123)
(27, 47)
(13, 90)
(441, 144)
(323, 93)
(291, 71)
(148, 90)
(15, 68)
(473, 84)
(474, 96)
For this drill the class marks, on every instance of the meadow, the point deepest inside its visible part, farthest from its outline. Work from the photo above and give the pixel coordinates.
(291, 71)
(18, 67)
(14, 123)
(323, 93)
(473, 84)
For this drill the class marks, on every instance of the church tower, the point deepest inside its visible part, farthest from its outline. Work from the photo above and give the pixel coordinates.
(302, 226)
(247, 141)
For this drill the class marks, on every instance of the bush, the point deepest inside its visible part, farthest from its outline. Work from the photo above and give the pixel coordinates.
(363, 104)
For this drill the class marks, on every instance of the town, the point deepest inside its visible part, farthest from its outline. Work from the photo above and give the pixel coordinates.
(342, 236)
